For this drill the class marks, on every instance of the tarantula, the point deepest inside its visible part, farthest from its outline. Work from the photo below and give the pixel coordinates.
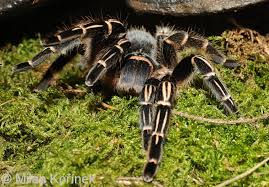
(133, 61)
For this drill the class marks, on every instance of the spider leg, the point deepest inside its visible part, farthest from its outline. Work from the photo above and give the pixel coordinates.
(108, 60)
(210, 78)
(157, 101)
(92, 28)
(155, 124)
(177, 40)
(183, 39)
(39, 58)
(168, 58)
(46, 53)
(66, 40)
(154, 134)
(155, 118)
(55, 67)
(147, 98)
(164, 101)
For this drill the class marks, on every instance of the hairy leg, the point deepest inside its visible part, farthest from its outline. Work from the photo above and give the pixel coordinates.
(164, 101)
(55, 67)
(218, 88)
(183, 40)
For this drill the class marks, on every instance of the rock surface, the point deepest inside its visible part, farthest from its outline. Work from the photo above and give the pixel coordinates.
(8, 7)
(189, 7)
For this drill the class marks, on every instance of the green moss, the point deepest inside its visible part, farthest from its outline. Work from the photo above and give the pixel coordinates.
(53, 133)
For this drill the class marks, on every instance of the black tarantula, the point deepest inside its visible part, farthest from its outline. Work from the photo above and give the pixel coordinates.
(132, 61)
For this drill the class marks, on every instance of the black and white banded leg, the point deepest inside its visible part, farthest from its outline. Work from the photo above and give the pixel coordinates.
(155, 116)
(55, 67)
(63, 49)
(210, 78)
(183, 40)
(109, 59)
(65, 41)
(164, 102)
(89, 29)
(147, 98)
(38, 59)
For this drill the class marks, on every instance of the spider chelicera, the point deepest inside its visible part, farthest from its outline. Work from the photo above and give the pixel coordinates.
(134, 62)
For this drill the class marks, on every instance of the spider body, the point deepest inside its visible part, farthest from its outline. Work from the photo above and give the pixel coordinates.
(138, 61)
(134, 62)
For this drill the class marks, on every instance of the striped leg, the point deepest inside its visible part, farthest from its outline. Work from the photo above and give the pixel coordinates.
(154, 135)
(167, 53)
(218, 89)
(56, 67)
(107, 61)
(45, 54)
(65, 41)
(90, 28)
(166, 56)
(147, 98)
(165, 98)
(39, 58)
(183, 39)
(183, 69)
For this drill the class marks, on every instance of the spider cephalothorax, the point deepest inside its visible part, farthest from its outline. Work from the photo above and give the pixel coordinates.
(132, 61)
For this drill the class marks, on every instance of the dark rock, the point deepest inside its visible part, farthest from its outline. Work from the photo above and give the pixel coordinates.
(189, 7)
(12, 7)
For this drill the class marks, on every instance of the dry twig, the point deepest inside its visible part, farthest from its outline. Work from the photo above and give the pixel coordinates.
(245, 174)
(222, 121)
(129, 181)
(107, 106)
